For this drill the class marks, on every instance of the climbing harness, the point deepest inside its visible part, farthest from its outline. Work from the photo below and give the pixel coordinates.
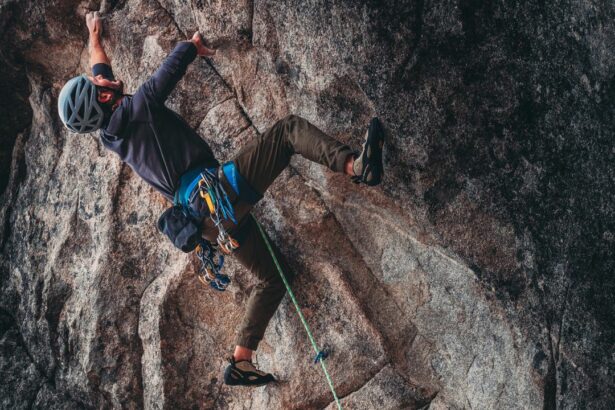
(320, 354)
(206, 184)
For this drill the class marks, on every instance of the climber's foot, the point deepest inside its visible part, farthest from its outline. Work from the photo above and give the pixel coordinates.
(243, 373)
(368, 167)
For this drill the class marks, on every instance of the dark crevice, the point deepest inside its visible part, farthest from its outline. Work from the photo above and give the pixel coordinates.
(35, 396)
(550, 382)
(364, 383)
(250, 33)
(550, 379)
(7, 322)
(217, 104)
(108, 6)
(550, 389)
(15, 111)
(417, 31)
(16, 176)
(250, 123)
(226, 84)
(6, 229)
(232, 90)
(171, 17)
(561, 322)
(123, 176)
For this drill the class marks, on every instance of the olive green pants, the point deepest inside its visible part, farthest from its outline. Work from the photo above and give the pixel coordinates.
(260, 162)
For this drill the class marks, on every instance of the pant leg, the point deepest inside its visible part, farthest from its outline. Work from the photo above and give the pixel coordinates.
(267, 294)
(264, 158)
(259, 163)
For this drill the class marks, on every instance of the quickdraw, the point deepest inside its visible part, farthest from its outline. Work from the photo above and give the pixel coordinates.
(211, 268)
(220, 209)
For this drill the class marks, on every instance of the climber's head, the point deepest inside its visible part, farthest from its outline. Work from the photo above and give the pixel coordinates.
(86, 103)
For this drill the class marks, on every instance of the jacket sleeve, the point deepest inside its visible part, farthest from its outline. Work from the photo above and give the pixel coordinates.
(163, 81)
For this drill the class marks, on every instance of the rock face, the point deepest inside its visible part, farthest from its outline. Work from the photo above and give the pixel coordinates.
(479, 275)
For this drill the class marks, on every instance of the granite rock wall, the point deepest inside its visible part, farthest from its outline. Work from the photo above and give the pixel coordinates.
(478, 275)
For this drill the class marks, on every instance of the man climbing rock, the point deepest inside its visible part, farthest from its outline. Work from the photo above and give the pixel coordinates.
(211, 202)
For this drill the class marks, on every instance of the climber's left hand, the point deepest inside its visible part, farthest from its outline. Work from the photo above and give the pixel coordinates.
(94, 23)
(201, 50)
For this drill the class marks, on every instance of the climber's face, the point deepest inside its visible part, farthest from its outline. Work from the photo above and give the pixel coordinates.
(105, 95)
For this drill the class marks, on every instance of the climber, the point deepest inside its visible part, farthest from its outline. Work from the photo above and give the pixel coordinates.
(166, 152)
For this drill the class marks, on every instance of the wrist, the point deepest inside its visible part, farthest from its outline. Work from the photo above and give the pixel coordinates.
(94, 40)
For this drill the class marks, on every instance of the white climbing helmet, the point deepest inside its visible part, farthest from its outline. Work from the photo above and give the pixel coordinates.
(78, 106)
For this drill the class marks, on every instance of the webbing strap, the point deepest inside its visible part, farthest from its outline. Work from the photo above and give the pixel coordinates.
(319, 353)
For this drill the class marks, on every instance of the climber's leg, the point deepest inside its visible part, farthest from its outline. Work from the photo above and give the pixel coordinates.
(262, 303)
(259, 163)
(268, 292)
(264, 158)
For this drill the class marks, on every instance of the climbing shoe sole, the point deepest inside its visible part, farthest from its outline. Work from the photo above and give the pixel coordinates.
(370, 159)
(233, 376)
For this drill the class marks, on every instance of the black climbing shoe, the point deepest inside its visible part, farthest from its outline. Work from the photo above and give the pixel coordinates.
(243, 373)
(368, 166)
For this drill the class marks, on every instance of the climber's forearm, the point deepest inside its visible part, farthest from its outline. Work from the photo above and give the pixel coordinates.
(97, 52)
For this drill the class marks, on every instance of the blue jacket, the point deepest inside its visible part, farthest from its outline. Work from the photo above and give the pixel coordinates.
(155, 141)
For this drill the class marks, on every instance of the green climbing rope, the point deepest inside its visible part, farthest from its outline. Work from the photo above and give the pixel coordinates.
(307, 328)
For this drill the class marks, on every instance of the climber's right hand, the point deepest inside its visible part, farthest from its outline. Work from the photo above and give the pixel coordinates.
(94, 23)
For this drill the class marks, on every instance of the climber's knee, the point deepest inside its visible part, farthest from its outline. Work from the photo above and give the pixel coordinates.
(291, 118)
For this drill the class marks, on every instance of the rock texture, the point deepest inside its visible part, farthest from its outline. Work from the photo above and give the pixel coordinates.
(479, 275)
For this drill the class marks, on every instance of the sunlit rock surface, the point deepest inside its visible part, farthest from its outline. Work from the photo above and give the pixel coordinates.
(478, 275)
